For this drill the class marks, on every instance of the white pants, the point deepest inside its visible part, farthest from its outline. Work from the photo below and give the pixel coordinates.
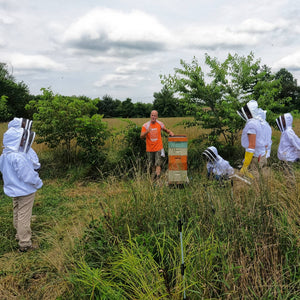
(22, 217)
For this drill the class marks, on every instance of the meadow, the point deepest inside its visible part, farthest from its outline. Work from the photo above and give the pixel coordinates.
(117, 237)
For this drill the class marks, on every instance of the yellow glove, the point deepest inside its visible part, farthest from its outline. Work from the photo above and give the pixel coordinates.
(247, 161)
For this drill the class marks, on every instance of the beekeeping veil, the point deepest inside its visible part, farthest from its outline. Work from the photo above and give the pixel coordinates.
(248, 111)
(20, 123)
(284, 121)
(211, 153)
(29, 140)
(27, 124)
(14, 139)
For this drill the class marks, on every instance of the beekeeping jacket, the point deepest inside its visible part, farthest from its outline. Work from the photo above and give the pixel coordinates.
(250, 113)
(289, 146)
(19, 176)
(267, 130)
(26, 124)
(216, 164)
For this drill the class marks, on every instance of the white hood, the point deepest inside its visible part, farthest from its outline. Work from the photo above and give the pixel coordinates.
(249, 111)
(284, 122)
(261, 115)
(12, 139)
(212, 154)
(20, 122)
(16, 123)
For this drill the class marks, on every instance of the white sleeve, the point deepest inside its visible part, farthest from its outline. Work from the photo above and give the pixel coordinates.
(295, 140)
(34, 159)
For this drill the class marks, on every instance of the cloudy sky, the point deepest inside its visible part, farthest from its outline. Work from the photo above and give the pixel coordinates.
(119, 48)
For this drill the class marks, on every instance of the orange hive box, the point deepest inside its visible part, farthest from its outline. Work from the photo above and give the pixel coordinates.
(177, 153)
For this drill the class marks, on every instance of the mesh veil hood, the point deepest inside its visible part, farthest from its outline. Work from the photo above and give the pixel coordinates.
(249, 111)
(12, 139)
(285, 121)
(211, 153)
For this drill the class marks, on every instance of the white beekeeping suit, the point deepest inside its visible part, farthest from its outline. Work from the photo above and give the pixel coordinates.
(21, 182)
(216, 164)
(267, 131)
(252, 139)
(18, 174)
(289, 146)
(26, 124)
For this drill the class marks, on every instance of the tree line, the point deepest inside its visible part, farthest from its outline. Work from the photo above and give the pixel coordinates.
(249, 78)
(211, 100)
(14, 96)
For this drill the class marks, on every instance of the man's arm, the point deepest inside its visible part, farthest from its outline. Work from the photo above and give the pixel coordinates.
(144, 133)
(169, 132)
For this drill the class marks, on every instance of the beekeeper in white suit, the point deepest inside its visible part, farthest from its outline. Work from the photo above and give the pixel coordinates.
(21, 182)
(267, 130)
(216, 165)
(253, 139)
(27, 124)
(289, 145)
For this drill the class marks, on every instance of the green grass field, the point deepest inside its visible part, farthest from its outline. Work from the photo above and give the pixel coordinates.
(117, 238)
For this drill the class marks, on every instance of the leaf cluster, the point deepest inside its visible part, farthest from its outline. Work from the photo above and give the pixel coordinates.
(214, 99)
(68, 122)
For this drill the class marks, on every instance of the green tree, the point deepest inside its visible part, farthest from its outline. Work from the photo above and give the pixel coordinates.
(166, 104)
(142, 110)
(92, 133)
(289, 95)
(213, 103)
(17, 93)
(126, 109)
(108, 107)
(4, 114)
(64, 121)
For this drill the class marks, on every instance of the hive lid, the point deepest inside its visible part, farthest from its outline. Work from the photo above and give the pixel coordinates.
(177, 138)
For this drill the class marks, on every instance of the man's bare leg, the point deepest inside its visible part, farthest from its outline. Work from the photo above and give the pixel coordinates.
(157, 171)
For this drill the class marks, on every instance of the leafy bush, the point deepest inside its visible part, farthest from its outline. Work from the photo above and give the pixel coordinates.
(68, 122)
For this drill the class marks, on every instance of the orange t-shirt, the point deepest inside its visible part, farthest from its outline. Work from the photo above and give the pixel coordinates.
(153, 138)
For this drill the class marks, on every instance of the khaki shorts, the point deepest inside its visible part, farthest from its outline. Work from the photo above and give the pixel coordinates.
(154, 158)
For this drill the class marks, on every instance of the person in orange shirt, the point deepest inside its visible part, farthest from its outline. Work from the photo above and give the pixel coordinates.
(154, 146)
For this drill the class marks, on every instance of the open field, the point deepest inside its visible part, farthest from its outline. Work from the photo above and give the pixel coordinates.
(171, 123)
(117, 238)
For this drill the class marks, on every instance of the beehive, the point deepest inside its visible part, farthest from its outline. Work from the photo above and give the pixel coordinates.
(177, 154)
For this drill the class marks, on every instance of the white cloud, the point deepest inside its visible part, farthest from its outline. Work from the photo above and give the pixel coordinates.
(111, 80)
(6, 19)
(119, 80)
(34, 62)
(291, 62)
(104, 59)
(127, 44)
(260, 26)
(103, 28)
(132, 68)
(217, 36)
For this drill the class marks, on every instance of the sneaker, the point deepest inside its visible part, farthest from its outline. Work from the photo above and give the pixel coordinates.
(28, 248)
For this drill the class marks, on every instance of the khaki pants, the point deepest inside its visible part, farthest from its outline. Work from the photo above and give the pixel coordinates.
(22, 217)
(259, 166)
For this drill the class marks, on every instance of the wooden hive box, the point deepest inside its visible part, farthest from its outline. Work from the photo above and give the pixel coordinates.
(177, 154)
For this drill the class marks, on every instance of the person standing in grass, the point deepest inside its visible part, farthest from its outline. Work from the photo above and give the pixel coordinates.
(253, 139)
(267, 130)
(21, 181)
(154, 146)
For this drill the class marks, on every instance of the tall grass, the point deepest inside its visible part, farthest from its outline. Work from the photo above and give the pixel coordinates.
(239, 243)
(117, 238)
